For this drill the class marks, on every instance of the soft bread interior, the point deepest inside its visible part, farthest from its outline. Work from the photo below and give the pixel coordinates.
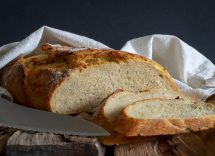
(168, 109)
(84, 89)
(117, 102)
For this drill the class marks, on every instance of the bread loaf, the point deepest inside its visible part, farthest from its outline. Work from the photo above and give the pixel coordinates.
(110, 108)
(69, 81)
(164, 117)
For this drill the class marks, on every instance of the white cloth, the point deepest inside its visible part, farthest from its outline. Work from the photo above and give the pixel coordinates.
(193, 72)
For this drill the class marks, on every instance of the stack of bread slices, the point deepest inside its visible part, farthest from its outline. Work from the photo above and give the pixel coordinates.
(137, 116)
(131, 96)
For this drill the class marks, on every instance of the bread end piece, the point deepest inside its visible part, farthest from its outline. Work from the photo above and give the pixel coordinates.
(132, 126)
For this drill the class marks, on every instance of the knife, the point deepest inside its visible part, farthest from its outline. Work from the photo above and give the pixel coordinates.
(16, 116)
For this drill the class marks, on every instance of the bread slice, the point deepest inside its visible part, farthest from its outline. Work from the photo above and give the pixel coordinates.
(164, 116)
(69, 82)
(110, 108)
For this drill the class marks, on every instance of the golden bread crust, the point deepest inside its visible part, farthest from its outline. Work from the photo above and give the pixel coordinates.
(13, 80)
(137, 127)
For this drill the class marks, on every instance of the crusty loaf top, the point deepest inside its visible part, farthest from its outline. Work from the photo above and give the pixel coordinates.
(62, 58)
(84, 58)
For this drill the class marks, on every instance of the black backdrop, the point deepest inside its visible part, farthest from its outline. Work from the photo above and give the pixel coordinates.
(113, 22)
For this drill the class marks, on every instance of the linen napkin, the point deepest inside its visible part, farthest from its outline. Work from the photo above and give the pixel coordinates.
(193, 72)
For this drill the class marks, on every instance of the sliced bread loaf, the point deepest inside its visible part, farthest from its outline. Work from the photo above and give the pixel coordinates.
(68, 82)
(110, 108)
(164, 117)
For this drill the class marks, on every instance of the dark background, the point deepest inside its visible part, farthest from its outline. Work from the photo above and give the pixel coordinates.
(113, 22)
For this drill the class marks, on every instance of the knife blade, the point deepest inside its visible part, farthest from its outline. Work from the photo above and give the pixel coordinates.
(16, 116)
